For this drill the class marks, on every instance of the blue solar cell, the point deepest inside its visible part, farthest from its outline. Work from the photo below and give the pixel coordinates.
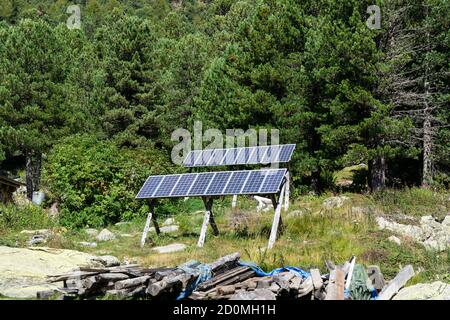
(183, 185)
(166, 186)
(230, 156)
(219, 182)
(257, 154)
(286, 152)
(254, 182)
(191, 157)
(204, 157)
(201, 183)
(217, 157)
(243, 155)
(149, 187)
(236, 182)
(272, 181)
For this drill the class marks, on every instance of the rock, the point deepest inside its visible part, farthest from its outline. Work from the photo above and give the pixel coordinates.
(446, 221)
(37, 239)
(107, 261)
(91, 232)
(174, 247)
(122, 223)
(23, 271)
(126, 235)
(53, 212)
(88, 244)
(335, 202)
(395, 239)
(425, 291)
(168, 222)
(257, 294)
(105, 235)
(166, 229)
(431, 234)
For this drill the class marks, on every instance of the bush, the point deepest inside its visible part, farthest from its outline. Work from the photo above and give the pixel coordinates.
(14, 218)
(96, 182)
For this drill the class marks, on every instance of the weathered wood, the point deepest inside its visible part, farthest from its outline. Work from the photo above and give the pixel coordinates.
(397, 283)
(286, 197)
(335, 288)
(316, 279)
(305, 288)
(147, 226)
(201, 239)
(225, 262)
(276, 219)
(224, 290)
(113, 276)
(123, 284)
(350, 273)
(169, 285)
(234, 201)
(376, 277)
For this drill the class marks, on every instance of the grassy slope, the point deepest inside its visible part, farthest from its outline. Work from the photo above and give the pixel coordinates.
(308, 239)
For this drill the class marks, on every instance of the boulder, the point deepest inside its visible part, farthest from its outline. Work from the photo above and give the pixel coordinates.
(23, 271)
(91, 232)
(107, 261)
(335, 202)
(105, 235)
(425, 291)
(395, 239)
(168, 222)
(37, 239)
(174, 247)
(46, 233)
(88, 244)
(166, 229)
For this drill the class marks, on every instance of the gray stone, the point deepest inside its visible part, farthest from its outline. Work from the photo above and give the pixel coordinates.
(122, 223)
(88, 244)
(91, 232)
(168, 222)
(430, 233)
(105, 235)
(425, 291)
(257, 294)
(42, 232)
(166, 229)
(395, 239)
(37, 239)
(107, 261)
(174, 247)
(335, 202)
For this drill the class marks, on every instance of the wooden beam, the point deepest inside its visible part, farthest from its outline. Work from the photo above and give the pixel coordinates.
(150, 217)
(276, 219)
(397, 283)
(286, 197)
(335, 288)
(234, 202)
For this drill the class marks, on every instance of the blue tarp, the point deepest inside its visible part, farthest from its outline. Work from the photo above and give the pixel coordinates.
(204, 272)
(260, 273)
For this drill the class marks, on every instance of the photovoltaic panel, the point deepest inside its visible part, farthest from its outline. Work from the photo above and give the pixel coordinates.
(166, 185)
(183, 184)
(219, 182)
(236, 182)
(240, 156)
(272, 181)
(201, 183)
(254, 181)
(265, 181)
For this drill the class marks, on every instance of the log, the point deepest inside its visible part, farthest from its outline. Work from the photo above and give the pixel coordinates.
(335, 288)
(305, 288)
(225, 290)
(397, 283)
(163, 287)
(316, 279)
(224, 263)
(123, 284)
(112, 276)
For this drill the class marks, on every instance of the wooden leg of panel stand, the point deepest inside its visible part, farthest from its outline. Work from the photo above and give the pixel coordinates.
(208, 219)
(150, 217)
(276, 219)
(234, 202)
(286, 196)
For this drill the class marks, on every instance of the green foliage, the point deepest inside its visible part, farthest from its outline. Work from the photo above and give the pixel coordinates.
(95, 181)
(13, 218)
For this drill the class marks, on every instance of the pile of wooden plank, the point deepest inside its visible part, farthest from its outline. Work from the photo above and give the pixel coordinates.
(226, 278)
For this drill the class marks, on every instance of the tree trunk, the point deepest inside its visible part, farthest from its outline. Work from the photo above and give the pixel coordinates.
(33, 172)
(377, 172)
(316, 184)
(427, 171)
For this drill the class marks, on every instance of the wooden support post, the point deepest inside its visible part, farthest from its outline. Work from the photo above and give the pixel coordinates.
(234, 202)
(150, 217)
(276, 218)
(286, 196)
(209, 218)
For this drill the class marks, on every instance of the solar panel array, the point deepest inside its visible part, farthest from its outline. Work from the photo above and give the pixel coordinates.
(239, 156)
(264, 181)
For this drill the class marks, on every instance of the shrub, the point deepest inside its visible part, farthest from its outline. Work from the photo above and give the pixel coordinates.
(14, 218)
(95, 181)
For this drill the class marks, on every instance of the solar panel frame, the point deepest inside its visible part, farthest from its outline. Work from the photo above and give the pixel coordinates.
(241, 156)
(273, 188)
